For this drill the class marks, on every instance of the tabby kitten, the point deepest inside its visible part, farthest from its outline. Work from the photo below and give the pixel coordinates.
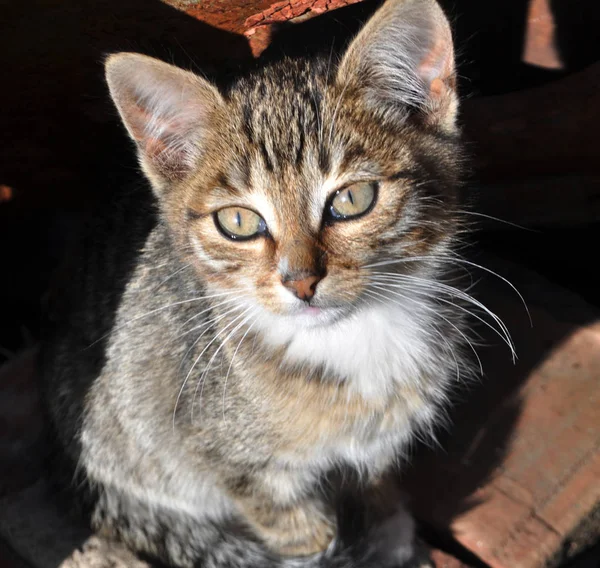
(279, 321)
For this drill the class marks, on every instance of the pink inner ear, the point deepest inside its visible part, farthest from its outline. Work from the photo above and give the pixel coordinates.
(139, 118)
(436, 68)
(154, 147)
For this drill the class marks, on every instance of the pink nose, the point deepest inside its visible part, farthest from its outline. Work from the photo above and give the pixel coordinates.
(303, 288)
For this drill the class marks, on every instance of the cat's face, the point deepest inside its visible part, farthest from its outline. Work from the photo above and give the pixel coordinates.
(288, 189)
(293, 202)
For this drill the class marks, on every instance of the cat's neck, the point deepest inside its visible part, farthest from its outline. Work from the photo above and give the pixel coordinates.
(373, 352)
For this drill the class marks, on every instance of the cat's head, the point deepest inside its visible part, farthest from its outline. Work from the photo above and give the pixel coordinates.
(293, 183)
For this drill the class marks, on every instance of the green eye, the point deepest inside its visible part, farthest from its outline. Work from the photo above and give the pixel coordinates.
(353, 201)
(238, 223)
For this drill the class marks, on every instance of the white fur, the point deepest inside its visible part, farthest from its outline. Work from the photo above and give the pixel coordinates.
(263, 205)
(373, 349)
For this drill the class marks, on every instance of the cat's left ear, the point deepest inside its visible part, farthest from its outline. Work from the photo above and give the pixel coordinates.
(403, 60)
(166, 110)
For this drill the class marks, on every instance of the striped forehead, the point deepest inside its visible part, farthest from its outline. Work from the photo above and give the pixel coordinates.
(286, 158)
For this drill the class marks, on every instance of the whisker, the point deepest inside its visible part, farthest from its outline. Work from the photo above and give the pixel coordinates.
(232, 359)
(505, 280)
(458, 260)
(151, 312)
(503, 333)
(451, 290)
(172, 275)
(437, 314)
(497, 219)
(411, 259)
(202, 378)
(213, 320)
(224, 302)
(438, 333)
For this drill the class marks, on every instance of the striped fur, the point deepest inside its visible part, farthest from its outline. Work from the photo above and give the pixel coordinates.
(213, 418)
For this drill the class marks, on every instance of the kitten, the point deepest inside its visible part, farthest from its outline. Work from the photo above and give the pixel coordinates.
(273, 317)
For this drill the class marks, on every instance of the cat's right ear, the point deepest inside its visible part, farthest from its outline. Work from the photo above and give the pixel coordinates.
(166, 110)
(403, 61)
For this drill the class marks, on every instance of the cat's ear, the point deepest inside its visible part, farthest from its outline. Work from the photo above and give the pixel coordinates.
(166, 110)
(403, 59)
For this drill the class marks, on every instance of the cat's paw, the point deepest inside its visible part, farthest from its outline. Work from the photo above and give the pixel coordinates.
(395, 545)
(394, 539)
(303, 530)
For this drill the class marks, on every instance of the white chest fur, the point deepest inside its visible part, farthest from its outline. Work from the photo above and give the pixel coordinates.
(373, 351)
(383, 352)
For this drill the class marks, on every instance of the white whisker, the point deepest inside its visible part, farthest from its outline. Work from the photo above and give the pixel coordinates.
(437, 314)
(202, 378)
(210, 308)
(505, 280)
(441, 287)
(497, 219)
(233, 358)
(207, 325)
(457, 259)
(155, 311)
(438, 333)
(503, 333)
(172, 275)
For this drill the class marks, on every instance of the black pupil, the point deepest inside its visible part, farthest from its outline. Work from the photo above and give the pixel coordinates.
(350, 197)
(238, 219)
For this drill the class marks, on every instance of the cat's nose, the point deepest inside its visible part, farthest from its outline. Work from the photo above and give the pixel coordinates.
(304, 288)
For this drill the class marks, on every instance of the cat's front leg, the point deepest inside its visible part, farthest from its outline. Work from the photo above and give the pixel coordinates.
(390, 528)
(302, 526)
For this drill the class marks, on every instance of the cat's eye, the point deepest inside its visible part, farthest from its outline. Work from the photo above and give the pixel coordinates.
(239, 223)
(353, 201)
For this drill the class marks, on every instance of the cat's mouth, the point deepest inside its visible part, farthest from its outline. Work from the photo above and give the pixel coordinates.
(317, 316)
(311, 311)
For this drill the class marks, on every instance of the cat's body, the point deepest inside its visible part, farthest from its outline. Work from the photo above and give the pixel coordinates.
(212, 386)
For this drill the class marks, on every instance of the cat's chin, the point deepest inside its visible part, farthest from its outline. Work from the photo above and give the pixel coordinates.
(304, 317)
(313, 316)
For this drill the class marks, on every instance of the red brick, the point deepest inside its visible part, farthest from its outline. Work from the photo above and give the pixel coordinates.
(249, 17)
(540, 43)
(444, 560)
(521, 469)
